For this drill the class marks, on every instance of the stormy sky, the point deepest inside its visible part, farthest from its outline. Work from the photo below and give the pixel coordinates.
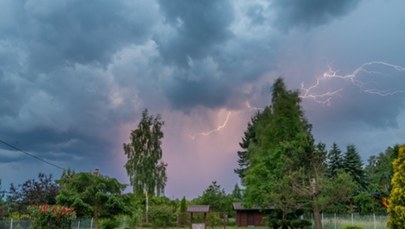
(76, 75)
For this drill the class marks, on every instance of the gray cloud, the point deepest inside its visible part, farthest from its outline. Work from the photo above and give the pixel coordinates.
(63, 32)
(307, 13)
(197, 27)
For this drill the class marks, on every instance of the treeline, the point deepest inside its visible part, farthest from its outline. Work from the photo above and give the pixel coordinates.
(93, 195)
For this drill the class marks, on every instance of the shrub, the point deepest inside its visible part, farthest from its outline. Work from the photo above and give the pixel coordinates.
(109, 223)
(51, 216)
(353, 227)
(301, 223)
(162, 216)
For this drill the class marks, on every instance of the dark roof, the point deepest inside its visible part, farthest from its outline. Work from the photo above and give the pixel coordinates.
(198, 208)
(239, 206)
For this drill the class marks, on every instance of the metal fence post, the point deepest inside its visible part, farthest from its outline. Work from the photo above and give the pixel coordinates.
(11, 223)
(352, 219)
(91, 223)
(322, 220)
(335, 222)
(375, 226)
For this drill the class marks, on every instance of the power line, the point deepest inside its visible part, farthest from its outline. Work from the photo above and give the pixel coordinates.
(31, 155)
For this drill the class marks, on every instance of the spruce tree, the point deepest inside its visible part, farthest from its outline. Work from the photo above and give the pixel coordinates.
(281, 155)
(353, 165)
(249, 137)
(237, 192)
(335, 161)
(396, 209)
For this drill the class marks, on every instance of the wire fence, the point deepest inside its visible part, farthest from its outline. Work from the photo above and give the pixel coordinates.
(26, 224)
(329, 221)
(337, 221)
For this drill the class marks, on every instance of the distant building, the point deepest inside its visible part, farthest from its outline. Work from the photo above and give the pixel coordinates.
(249, 216)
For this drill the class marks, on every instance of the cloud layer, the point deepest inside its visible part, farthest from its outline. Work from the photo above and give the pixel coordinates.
(75, 76)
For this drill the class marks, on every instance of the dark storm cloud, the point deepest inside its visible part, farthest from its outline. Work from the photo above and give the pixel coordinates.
(57, 98)
(307, 13)
(196, 87)
(197, 27)
(63, 32)
(379, 109)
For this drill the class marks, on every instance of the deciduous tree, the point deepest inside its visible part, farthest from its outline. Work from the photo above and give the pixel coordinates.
(41, 191)
(145, 168)
(396, 209)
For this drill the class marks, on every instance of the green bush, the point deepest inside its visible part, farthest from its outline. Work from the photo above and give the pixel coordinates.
(162, 216)
(353, 227)
(109, 223)
(301, 223)
(214, 219)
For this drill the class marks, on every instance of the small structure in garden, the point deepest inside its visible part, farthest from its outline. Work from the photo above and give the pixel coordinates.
(198, 209)
(249, 216)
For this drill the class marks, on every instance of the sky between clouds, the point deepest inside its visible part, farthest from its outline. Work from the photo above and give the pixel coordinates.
(76, 75)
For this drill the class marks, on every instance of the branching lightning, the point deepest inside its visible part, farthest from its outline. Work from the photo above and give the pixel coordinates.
(225, 123)
(214, 130)
(325, 98)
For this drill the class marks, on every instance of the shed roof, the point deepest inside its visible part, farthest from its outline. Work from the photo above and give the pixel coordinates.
(239, 206)
(198, 208)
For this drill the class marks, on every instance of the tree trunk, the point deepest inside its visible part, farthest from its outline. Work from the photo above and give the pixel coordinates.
(284, 221)
(317, 213)
(146, 207)
(95, 216)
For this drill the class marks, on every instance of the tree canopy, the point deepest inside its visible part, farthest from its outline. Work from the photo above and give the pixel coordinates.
(396, 207)
(145, 168)
(282, 152)
(92, 195)
(32, 191)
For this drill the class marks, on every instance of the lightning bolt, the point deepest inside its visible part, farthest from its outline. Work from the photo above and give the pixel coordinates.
(225, 123)
(214, 130)
(326, 97)
(253, 108)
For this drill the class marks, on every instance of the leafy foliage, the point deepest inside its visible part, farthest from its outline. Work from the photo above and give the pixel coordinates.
(92, 195)
(48, 216)
(162, 215)
(282, 154)
(337, 193)
(146, 170)
(216, 198)
(396, 207)
(32, 192)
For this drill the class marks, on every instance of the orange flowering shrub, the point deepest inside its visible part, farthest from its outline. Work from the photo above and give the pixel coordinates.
(52, 216)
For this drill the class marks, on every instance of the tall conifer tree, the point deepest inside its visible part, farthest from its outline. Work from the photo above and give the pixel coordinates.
(335, 161)
(249, 137)
(353, 165)
(282, 153)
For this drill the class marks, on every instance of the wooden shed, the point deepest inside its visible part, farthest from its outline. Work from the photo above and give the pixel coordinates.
(199, 209)
(249, 216)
